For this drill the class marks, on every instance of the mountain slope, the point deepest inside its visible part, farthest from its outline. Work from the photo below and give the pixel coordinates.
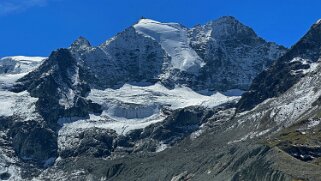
(286, 71)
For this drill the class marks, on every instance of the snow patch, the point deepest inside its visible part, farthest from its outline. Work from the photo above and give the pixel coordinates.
(313, 123)
(161, 147)
(251, 135)
(312, 65)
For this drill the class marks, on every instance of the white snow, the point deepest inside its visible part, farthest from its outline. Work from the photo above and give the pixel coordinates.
(313, 123)
(161, 147)
(313, 65)
(19, 64)
(178, 97)
(19, 104)
(7, 80)
(14, 68)
(173, 39)
(25, 58)
(121, 126)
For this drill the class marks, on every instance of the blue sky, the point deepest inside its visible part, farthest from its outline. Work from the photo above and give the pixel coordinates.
(36, 27)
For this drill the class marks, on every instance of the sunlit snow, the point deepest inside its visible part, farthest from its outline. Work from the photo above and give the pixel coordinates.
(173, 38)
(132, 107)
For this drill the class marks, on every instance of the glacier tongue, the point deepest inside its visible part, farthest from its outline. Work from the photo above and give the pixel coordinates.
(176, 98)
(174, 40)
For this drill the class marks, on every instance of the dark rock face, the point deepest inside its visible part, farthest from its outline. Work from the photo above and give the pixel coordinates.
(114, 170)
(102, 143)
(94, 142)
(180, 123)
(60, 84)
(304, 153)
(5, 176)
(128, 57)
(233, 53)
(60, 88)
(280, 77)
(33, 142)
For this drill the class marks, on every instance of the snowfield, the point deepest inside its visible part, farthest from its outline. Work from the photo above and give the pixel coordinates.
(179, 97)
(132, 107)
(18, 104)
(14, 68)
(19, 64)
(25, 58)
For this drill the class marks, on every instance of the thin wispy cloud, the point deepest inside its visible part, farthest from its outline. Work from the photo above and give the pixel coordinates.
(14, 6)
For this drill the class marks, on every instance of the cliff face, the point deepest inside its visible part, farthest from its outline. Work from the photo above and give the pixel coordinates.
(232, 52)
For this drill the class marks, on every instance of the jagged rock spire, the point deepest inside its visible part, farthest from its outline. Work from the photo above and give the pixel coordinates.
(81, 42)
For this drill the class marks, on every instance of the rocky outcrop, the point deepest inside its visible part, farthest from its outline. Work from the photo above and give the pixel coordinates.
(94, 142)
(34, 142)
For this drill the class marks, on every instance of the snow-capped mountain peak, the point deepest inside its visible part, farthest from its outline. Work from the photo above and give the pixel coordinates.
(174, 40)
